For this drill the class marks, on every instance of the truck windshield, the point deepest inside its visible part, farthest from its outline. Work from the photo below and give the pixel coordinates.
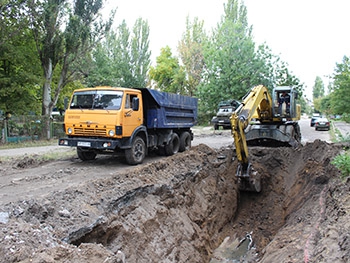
(97, 99)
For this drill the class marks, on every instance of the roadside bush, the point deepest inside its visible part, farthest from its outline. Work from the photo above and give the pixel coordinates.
(342, 162)
(346, 117)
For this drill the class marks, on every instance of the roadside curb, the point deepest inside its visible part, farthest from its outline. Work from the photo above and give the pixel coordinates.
(342, 127)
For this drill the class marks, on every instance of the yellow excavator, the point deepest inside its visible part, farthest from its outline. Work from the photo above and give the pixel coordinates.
(264, 120)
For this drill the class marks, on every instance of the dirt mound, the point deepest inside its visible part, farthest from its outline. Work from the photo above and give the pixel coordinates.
(181, 208)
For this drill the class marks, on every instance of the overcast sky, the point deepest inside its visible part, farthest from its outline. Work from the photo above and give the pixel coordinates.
(310, 35)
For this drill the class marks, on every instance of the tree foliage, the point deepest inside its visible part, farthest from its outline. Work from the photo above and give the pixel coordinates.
(318, 88)
(340, 99)
(168, 74)
(140, 54)
(190, 49)
(229, 56)
(272, 71)
(19, 64)
(13, 19)
(123, 58)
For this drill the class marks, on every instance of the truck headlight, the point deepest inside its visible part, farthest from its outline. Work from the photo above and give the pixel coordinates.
(69, 131)
(111, 133)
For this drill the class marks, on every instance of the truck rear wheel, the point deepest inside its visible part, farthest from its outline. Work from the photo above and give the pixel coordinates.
(86, 155)
(136, 154)
(185, 141)
(173, 146)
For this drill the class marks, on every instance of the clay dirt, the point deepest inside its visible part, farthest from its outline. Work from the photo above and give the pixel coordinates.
(182, 208)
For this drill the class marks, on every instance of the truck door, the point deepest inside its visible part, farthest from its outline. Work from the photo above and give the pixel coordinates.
(131, 119)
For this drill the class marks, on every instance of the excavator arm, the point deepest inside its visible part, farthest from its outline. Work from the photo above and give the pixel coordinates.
(257, 104)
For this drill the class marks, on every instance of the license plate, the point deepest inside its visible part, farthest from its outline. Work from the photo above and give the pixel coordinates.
(84, 144)
(221, 121)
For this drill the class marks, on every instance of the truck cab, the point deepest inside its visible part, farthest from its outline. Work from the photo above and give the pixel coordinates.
(103, 112)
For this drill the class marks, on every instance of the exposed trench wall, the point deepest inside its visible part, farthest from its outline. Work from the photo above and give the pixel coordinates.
(178, 221)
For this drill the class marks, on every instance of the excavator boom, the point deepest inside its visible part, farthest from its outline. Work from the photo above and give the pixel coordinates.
(275, 124)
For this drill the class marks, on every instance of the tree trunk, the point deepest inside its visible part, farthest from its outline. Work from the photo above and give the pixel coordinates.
(47, 102)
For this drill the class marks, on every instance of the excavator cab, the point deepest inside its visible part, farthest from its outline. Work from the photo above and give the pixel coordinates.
(284, 101)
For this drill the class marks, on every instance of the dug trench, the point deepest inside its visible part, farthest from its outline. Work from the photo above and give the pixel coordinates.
(187, 208)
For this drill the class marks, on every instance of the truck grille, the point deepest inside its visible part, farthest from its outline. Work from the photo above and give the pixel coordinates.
(90, 131)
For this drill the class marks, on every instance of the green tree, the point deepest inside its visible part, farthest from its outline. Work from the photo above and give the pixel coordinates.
(140, 54)
(318, 88)
(272, 71)
(110, 60)
(122, 58)
(168, 74)
(229, 58)
(340, 99)
(318, 94)
(19, 65)
(13, 19)
(64, 35)
(325, 105)
(190, 49)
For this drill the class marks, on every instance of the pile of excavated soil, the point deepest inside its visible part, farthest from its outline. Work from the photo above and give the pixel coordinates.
(181, 208)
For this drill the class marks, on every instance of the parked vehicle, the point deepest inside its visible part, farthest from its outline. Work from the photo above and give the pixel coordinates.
(224, 113)
(313, 120)
(128, 122)
(322, 124)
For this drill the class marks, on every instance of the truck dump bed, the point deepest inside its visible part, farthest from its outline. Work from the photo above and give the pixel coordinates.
(167, 110)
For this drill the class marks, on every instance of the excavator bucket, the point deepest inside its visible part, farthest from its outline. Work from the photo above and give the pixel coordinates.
(248, 178)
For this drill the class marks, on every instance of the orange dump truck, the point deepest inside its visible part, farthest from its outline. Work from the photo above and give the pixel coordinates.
(128, 122)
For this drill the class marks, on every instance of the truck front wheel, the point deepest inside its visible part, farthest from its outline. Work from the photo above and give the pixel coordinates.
(137, 152)
(173, 146)
(185, 141)
(86, 155)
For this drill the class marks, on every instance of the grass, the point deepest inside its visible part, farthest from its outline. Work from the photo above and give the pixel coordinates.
(342, 162)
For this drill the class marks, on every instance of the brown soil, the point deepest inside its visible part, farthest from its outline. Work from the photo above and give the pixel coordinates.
(180, 209)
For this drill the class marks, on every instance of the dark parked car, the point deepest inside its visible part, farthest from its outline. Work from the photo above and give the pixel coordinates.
(322, 124)
(313, 120)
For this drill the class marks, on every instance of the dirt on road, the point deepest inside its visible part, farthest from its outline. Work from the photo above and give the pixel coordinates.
(183, 208)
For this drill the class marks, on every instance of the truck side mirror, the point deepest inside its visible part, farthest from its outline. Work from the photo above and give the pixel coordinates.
(135, 104)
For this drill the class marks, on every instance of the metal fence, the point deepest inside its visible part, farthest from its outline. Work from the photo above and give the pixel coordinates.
(29, 128)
